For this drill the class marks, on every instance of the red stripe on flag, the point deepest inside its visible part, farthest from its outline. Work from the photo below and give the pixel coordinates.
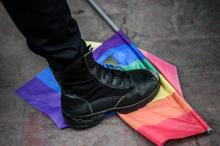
(180, 127)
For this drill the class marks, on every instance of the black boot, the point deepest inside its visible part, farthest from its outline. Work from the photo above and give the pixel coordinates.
(89, 90)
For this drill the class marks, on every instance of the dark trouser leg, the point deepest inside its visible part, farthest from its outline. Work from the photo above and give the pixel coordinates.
(48, 27)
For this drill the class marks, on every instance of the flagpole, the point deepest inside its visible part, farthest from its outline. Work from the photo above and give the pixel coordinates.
(102, 13)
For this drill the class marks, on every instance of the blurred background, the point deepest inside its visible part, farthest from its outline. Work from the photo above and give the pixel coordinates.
(185, 33)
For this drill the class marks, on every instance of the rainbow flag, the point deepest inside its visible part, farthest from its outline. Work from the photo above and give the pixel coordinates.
(167, 117)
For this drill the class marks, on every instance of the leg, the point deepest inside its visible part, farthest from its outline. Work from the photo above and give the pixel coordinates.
(48, 27)
(89, 89)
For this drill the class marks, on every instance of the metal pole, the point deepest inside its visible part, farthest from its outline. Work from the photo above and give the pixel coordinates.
(102, 13)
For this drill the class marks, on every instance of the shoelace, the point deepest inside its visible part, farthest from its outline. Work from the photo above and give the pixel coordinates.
(110, 66)
(115, 68)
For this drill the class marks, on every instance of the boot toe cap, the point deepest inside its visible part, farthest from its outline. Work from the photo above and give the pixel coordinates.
(146, 85)
(145, 81)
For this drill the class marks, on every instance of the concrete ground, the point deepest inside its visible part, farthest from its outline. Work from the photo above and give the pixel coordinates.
(185, 33)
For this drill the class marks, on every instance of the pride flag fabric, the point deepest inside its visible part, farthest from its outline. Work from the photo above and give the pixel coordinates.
(167, 117)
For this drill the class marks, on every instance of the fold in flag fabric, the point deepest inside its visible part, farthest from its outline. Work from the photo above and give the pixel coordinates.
(167, 117)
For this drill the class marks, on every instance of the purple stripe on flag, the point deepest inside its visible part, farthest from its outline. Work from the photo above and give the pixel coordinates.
(44, 99)
(112, 42)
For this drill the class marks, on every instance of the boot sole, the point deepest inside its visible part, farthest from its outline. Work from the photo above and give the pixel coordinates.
(83, 122)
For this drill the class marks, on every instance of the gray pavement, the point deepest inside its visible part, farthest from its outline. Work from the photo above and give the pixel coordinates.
(185, 33)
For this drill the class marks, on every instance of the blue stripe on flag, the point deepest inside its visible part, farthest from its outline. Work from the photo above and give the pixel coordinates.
(46, 76)
(122, 54)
